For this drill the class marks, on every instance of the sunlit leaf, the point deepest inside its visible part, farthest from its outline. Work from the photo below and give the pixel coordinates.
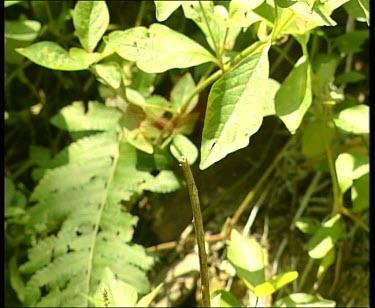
(355, 120)
(247, 257)
(53, 56)
(222, 298)
(235, 108)
(325, 238)
(109, 73)
(165, 8)
(275, 283)
(182, 146)
(90, 19)
(22, 30)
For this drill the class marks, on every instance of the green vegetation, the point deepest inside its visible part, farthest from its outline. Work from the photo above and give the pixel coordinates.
(104, 98)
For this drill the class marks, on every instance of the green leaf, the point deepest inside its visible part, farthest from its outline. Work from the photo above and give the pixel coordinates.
(165, 8)
(275, 283)
(314, 137)
(90, 19)
(131, 44)
(269, 100)
(351, 42)
(355, 120)
(97, 118)
(350, 167)
(182, 90)
(361, 194)
(109, 73)
(235, 108)
(8, 3)
(147, 299)
(247, 257)
(182, 146)
(119, 293)
(224, 299)
(303, 300)
(81, 227)
(136, 138)
(307, 225)
(158, 48)
(326, 262)
(365, 5)
(22, 30)
(355, 10)
(325, 238)
(170, 49)
(53, 56)
(349, 77)
(294, 96)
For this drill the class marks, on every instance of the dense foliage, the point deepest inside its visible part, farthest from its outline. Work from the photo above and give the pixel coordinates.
(104, 97)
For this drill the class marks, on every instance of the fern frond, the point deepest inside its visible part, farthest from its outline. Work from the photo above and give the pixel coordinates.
(80, 227)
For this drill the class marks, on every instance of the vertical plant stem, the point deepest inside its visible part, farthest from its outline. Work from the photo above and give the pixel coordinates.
(198, 225)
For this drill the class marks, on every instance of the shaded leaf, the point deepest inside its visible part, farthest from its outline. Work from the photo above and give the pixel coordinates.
(303, 300)
(22, 30)
(222, 298)
(182, 90)
(315, 136)
(182, 146)
(294, 96)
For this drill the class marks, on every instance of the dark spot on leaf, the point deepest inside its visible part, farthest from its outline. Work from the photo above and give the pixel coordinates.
(155, 172)
(78, 233)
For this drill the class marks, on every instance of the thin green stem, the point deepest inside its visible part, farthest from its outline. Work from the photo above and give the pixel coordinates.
(260, 184)
(138, 21)
(199, 231)
(217, 49)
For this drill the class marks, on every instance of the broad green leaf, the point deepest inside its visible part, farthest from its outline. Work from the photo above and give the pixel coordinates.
(222, 298)
(132, 44)
(165, 8)
(324, 67)
(361, 193)
(351, 42)
(355, 120)
(350, 167)
(315, 136)
(170, 49)
(307, 225)
(303, 300)
(90, 19)
(235, 108)
(11, 2)
(109, 73)
(53, 56)
(294, 96)
(182, 90)
(182, 146)
(355, 10)
(326, 262)
(275, 283)
(158, 48)
(325, 238)
(215, 300)
(247, 257)
(147, 299)
(136, 138)
(98, 117)
(365, 5)
(114, 292)
(349, 77)
(269, 100)
(22, 30)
